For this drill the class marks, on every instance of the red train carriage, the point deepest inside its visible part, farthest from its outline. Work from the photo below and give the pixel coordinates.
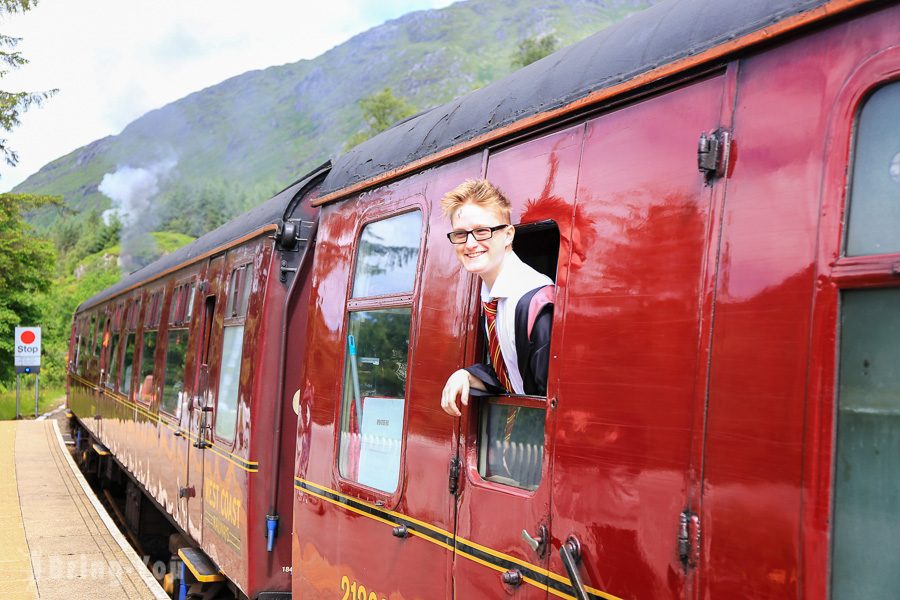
(721, 416)
(175, 370)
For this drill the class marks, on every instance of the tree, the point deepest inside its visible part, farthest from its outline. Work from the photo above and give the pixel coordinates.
(380, 111)
(27, 262)
(13, 104)
(534, 48)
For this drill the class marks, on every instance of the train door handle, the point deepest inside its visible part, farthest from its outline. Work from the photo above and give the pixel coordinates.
(570, 552)
(539, 543)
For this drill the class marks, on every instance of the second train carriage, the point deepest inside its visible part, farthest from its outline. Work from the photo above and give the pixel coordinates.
(173, 371)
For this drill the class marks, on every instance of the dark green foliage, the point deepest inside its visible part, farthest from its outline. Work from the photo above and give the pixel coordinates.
(196, 209)
(532, 49)
(380, 111)
(27, 264)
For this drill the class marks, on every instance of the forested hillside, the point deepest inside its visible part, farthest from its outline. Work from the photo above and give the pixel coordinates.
(242, 140)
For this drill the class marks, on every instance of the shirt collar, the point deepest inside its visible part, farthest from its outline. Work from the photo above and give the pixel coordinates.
(514, 279)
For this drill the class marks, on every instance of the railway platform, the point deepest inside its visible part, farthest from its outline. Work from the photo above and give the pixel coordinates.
(58, 540)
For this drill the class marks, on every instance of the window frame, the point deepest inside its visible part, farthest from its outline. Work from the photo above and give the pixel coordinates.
(369, 303)
(241, 262)
(175, 315)
(149, 322)
(116, 327)
(517, 400)
(835, 272)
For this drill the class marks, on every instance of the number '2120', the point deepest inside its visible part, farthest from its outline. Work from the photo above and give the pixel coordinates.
(352, 591)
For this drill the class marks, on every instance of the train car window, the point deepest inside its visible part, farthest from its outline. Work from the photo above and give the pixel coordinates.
(866, 538)
(148, 348)
(128, 364)
(511, 429)
(101, 331)
(148, 354)
(112, 363)
(874, 213)
(377, 352)
(189, 308)
(232, 349)
(387, 257)
(173, 380)
(131, 319)
(374, 397)
(511, 443)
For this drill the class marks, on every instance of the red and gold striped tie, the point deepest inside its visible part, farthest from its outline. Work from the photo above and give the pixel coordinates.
(490, 317)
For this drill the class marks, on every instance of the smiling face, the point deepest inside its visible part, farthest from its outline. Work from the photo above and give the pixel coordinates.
(484, 257)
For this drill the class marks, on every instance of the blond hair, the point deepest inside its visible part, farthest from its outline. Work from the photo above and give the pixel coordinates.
(477, 191)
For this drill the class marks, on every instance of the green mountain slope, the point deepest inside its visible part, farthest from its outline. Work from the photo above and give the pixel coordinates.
(245, 138)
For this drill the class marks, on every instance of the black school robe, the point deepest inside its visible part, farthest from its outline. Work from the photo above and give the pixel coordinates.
(534, 310)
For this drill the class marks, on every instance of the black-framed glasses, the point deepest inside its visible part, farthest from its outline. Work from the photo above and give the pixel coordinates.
(480, 234)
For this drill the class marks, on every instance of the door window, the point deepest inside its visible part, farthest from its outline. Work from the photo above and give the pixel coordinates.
(239, 287)
(377, 352)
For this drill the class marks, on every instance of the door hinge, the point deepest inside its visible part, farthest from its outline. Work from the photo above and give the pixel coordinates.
(714, 153)
(455, 464)
(689, 539)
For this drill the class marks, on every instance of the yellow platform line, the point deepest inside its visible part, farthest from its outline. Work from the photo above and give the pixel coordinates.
(16, 572)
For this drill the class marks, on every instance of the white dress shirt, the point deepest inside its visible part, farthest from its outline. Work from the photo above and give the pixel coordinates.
(514, 281)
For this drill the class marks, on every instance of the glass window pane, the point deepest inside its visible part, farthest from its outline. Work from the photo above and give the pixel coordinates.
(511, 444)
(374, 397)
(245, 292)
(128, 365)
(874, 214)
(388, 253)
(113, 365)
(866, 540)
(229, 379)
(148, 354)
(173, 382)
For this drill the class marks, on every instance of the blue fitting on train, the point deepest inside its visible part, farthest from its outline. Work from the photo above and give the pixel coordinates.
(271, 528)
(182, 587)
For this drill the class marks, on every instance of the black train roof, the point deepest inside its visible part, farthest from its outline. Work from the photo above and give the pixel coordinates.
(662, 34)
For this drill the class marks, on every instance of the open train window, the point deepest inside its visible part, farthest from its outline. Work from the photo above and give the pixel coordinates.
(537, 244)
(511, 428)
(237, 303)
(377, 349)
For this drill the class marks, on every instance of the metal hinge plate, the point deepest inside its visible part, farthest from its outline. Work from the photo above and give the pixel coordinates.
(689, 539)
(714, 153)
(453, 479)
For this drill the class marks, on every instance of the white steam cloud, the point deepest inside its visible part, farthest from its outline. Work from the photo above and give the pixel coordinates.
(132, 190)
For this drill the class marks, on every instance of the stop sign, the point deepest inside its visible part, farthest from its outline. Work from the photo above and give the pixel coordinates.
(27, 355)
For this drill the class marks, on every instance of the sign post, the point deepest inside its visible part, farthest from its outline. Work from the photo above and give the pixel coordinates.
(27, 358)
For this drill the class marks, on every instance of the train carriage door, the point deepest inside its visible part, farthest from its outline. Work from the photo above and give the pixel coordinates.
(632, 368)
(503, 535)
(203, 395)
